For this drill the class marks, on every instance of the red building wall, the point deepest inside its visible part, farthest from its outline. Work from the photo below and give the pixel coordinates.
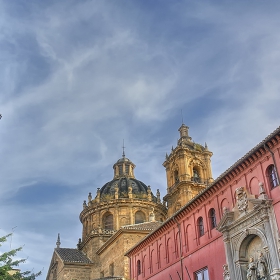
(176, 249)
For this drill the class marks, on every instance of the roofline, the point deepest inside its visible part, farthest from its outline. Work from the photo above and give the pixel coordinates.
(83, 263)
(172, 219)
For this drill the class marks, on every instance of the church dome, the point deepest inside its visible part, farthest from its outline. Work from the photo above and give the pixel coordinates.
(124, 185)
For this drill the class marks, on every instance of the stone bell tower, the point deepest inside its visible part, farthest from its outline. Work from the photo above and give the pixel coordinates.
(188, 171)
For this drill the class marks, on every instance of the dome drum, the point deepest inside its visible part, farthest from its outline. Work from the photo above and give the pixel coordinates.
(122, 201)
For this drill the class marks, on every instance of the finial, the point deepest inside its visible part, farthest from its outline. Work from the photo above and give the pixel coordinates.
(182, 116)
(79, 244)
(262, 195)
(58, 241)
(152, 216)
(89, 197)
(158, 196)
(206, 147)
(123, 154)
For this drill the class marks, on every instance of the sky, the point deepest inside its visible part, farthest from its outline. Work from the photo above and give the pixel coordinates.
(78, 77)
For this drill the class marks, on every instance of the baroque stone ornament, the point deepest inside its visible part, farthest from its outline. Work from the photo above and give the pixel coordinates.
(226, 272)
(252, 270)
(262, 267)
(241, 199)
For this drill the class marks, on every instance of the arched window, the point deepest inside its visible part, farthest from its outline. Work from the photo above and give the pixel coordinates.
(196, 177)
(212, 218)
(138, 267)
(200, 226)
(108, 221)
(127, 169)
(120, 170)
(272, 176)
(139, 217)
(176, 176)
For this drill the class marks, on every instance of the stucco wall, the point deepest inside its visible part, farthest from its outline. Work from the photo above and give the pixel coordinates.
(115, 254)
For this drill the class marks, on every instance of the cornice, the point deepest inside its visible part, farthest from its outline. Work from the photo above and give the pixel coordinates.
(120, 202)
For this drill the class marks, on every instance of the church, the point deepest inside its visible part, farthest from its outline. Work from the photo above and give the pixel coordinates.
(202, 229)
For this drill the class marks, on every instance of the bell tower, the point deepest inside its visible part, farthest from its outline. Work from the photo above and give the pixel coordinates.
(188, 171)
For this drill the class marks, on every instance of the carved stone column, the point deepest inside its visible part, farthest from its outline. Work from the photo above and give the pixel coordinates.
(131, 215)
(117, 217)
(229, 256)
(226, 272)
(275, 275)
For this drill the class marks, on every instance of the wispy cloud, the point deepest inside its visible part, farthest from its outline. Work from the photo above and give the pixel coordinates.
(78, 77)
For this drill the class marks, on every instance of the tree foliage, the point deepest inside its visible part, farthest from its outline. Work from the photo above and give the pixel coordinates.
(9, 265)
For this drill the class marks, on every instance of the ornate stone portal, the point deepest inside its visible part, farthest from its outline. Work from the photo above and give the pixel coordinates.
(250, 238)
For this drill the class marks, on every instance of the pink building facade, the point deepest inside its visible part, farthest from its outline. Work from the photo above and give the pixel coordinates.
(229, 231)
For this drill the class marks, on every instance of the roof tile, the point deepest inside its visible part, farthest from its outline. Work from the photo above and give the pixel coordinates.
(72, 255)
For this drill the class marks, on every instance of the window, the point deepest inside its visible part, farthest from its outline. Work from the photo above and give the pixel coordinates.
(139, 217)
(138, 267)
(212, 218)
(196, 177)
(176, 176)
(202, 274)
(272, 176)
(120, 170)
(108, 221)
(200, 226)
(127, 169)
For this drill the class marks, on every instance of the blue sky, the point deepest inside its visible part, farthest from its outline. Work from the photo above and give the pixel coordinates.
(78, 77)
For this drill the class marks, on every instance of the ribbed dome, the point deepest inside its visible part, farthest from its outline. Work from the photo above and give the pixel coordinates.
(124, 159)
(122, 184)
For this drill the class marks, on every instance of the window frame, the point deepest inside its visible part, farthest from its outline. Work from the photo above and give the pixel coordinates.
(139, 220)
(108, 224)
(138, 267)
(202, 273)
(200, 227)
(212, 218)
(271, 175)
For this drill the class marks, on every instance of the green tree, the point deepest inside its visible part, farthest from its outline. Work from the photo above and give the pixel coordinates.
(8, 266)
